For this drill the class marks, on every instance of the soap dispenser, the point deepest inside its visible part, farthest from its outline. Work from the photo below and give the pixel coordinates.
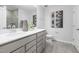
(25, 25)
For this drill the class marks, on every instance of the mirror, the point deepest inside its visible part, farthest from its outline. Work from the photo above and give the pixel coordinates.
(17, 13)
(12, 17)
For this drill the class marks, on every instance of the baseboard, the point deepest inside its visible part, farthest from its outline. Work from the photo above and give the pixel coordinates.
(63, 41)
(66, 42)
(70, 43)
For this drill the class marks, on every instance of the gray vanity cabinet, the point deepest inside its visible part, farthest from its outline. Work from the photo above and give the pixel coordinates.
(38, 45)
(41, 41)
(31, 41)
(15, 45)
(34, 43)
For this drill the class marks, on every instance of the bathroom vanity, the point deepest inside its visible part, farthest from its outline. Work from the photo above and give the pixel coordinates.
(33, 41)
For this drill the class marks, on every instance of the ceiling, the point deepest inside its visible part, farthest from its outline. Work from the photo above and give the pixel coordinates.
(25, 7)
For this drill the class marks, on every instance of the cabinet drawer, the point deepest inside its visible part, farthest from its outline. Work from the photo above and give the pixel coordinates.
(29, 45)
(20, 50)
(41, 33)
(14, 45)
(30, 38)
(40, 38)
(32, 50)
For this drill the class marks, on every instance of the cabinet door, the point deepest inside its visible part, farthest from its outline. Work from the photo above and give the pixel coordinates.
(40, 46)
(20, 50)
(29, 45)
(40, 43)
(39, 49)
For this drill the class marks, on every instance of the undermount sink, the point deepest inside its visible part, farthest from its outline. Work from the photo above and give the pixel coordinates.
(11, 33)
(15, 32)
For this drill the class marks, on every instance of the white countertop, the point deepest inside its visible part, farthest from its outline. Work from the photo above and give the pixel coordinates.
(8, 37)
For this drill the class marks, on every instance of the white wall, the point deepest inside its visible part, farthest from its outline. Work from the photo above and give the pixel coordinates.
(2, 17)
(23, 15)
(76, 16)
(40, 17)
(64, 34)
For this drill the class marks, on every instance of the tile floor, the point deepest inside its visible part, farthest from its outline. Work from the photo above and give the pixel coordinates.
(53, 46)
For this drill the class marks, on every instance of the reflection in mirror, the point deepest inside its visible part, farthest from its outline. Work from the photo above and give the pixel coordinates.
(18, 13)
(34, 20)
(12, 17)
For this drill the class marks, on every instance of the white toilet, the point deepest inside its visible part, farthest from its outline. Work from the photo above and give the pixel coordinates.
(51, 34)
(50, 37)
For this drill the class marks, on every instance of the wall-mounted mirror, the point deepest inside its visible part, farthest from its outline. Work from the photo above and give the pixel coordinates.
(12, 17)
(17, 13)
